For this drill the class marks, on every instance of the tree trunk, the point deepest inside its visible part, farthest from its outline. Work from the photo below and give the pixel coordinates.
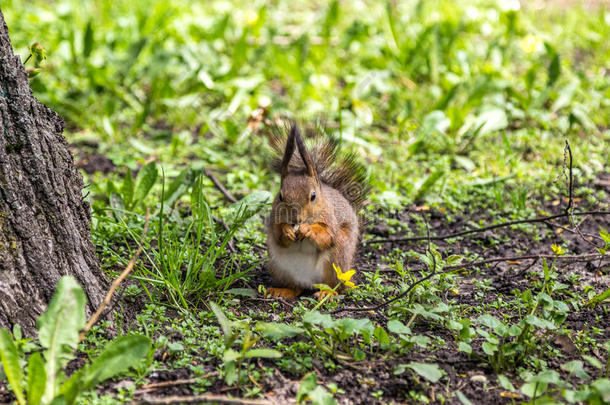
(44, 222)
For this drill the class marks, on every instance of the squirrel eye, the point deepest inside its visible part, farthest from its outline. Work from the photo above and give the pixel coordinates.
(281, 196)
(313, 195)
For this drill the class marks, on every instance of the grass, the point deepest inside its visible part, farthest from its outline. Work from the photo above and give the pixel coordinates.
(459, 111)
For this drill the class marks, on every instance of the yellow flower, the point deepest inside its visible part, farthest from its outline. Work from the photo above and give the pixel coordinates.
(558, 250)
(251, 17)
(531, 43)
(345, 277)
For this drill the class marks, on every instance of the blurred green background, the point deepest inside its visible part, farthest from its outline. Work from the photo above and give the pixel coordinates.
(438, 96)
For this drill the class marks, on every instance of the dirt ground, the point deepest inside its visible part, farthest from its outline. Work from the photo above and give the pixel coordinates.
(476, 380)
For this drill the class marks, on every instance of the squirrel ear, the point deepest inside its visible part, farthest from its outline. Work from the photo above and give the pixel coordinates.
(288, 152)
(309, 167)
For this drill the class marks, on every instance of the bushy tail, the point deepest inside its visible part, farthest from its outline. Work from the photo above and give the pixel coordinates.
(341, 171)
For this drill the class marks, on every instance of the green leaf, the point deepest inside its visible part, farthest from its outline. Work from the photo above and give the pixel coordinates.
(593, 361)
(117, 205)
(127, 189)
(264, 353)
(230, 370)
(489, 348)
(225, 324)
(179, 186)
(308, 383)
(505, 383)
(576, 367)
(10, 363)
(605, 235)
(465, 347)
(430, 372)
(246, 292)
(316, 318)
(88, 40)
(118, 356)
(381, 335)
(395, 326)
(435, 122)
(197, 195)
(332, 15)
(319, 396)
(144, 182)
(599, 298)
(554, 69)
(602, 386)
(310, 390)
(277, 331)
(230, 355)
(37, 379)
(490, 120)
(430, 181)
(359, 355)
(70, 389)
(534, 389)
(539, 322)
(254, 200)
(547, 377)
(463, 398)
(350, 326)
(58, 329)
(454, 260)
(489, 321)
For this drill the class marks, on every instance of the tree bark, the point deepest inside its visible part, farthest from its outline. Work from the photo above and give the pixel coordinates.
(44, 222)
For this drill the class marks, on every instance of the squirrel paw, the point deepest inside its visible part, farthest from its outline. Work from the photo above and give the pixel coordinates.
(316, 233)
(304, 231)
(287, 234)
(321, 294)
(283, 292)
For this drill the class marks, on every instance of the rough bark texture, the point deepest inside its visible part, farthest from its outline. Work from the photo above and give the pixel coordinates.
(44, 222)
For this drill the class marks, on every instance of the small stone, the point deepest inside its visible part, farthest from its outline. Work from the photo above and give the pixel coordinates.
(478, 378)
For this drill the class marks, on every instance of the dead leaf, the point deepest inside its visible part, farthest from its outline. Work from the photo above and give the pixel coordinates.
(566, 344)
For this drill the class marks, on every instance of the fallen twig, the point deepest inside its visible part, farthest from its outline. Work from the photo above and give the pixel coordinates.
(163, 384)
(115, 284)
(226, 193)
(204, 398)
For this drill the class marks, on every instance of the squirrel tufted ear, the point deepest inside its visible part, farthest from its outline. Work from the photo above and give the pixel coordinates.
(288, 152)
(309, 166)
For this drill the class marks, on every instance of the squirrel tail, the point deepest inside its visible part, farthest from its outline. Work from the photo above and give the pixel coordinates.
(340, 171)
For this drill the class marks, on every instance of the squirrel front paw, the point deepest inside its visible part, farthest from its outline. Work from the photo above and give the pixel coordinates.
(304, 231)
(317, 233)
(287, 234)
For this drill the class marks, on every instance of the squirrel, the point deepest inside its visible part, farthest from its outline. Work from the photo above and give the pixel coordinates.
(314, 219)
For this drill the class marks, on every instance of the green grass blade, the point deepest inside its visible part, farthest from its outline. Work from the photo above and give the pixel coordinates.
(10, 363)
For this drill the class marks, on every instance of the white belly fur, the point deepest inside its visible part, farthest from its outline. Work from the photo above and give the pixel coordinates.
(302, 262)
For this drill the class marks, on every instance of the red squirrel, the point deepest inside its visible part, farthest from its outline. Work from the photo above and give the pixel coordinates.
(314, 219)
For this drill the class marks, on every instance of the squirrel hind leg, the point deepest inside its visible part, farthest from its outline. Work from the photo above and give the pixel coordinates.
(284, 292)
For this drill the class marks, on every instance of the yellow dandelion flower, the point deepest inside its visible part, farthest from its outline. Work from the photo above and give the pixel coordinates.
(558, 250)
(251, 17)
(345, 277)
(531, 43)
